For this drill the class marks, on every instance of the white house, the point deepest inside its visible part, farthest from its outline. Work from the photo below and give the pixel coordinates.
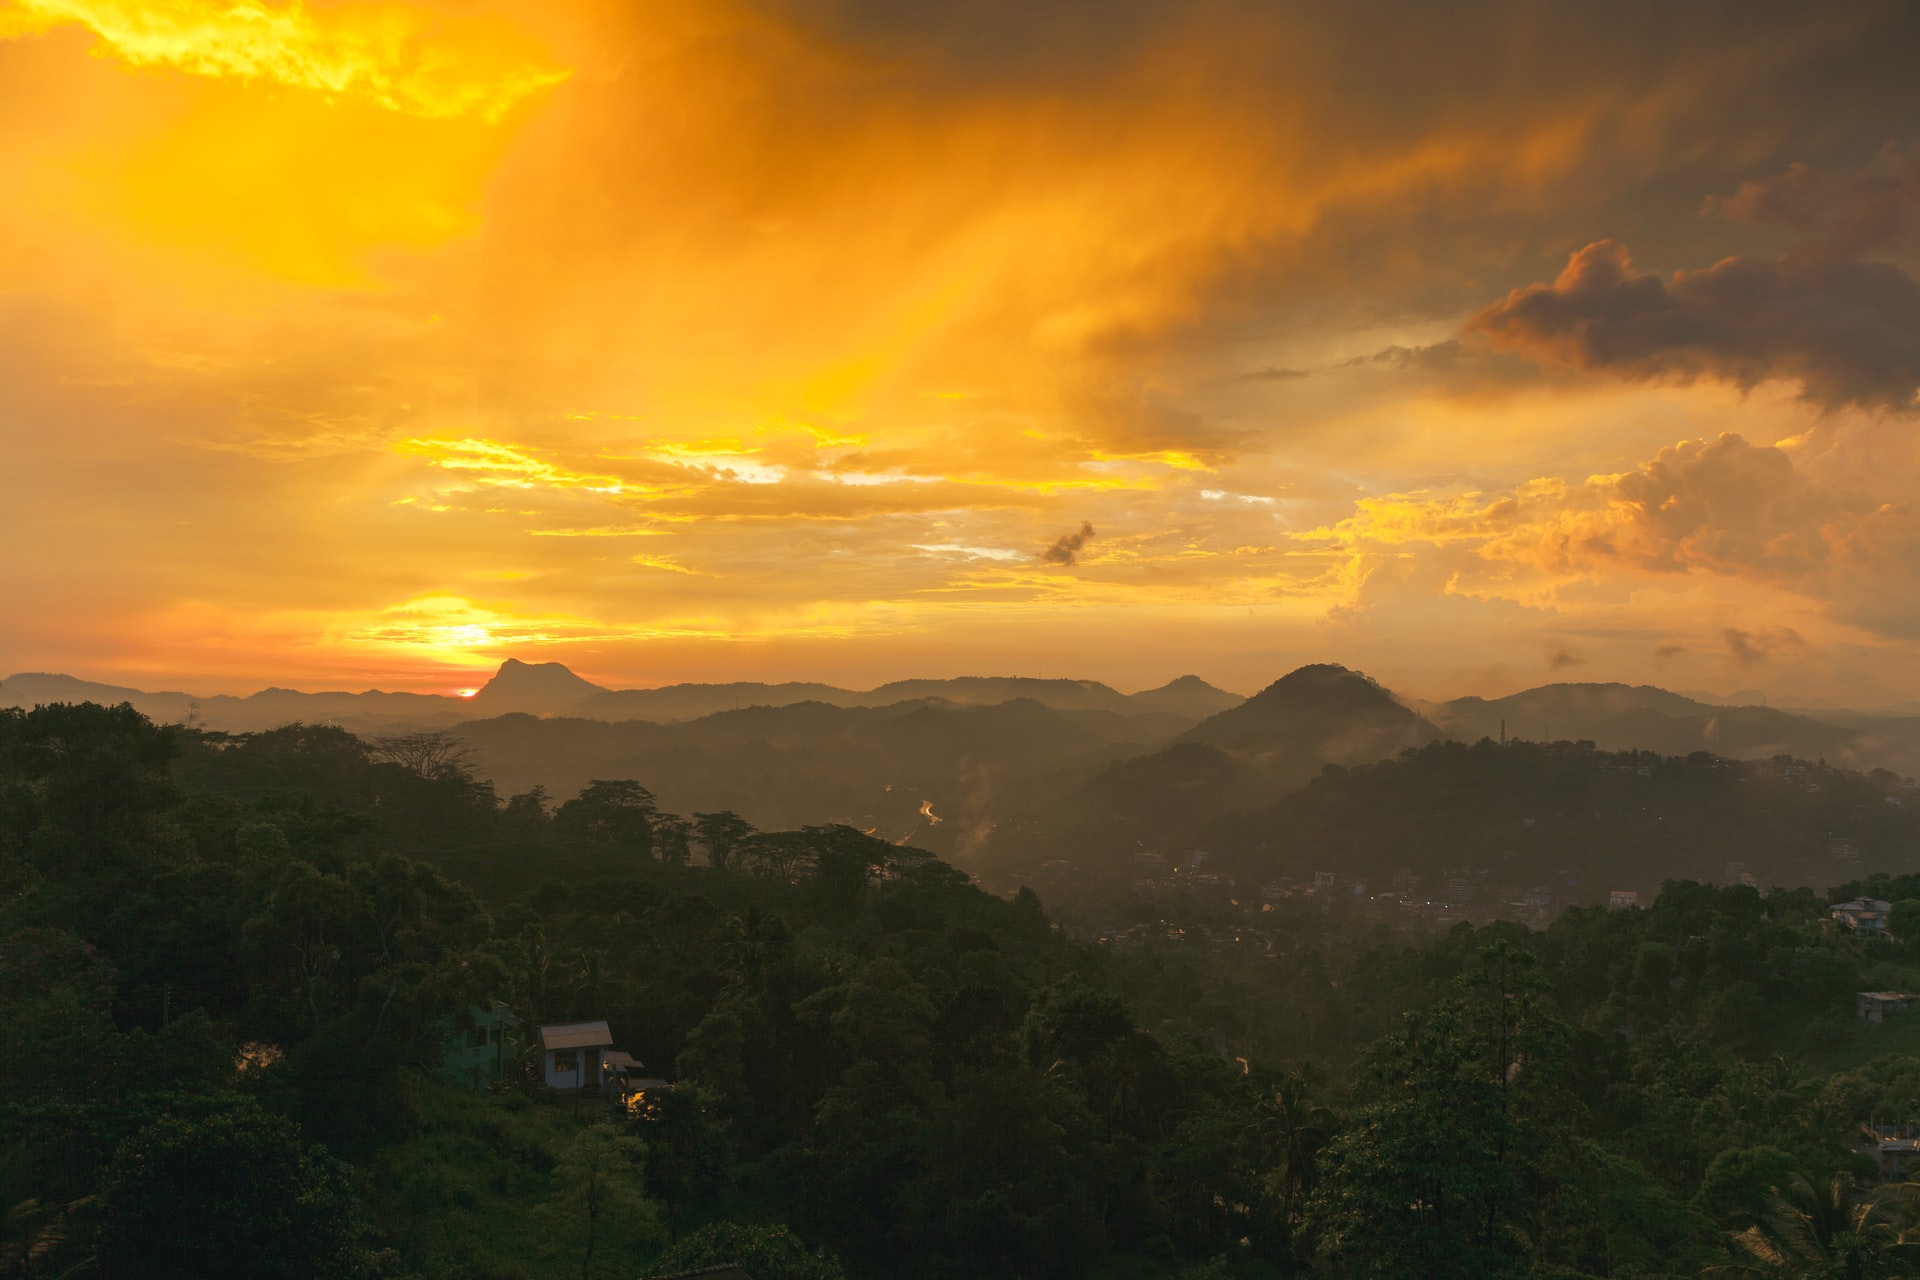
(572, 1054)
(1863, 915)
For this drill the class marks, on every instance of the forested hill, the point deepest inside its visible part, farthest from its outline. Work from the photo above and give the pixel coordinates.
(1483, 827)
(1619, 717)
(231, 969)
(1582, 821)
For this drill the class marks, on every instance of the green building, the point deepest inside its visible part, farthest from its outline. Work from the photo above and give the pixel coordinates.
(481, 1052)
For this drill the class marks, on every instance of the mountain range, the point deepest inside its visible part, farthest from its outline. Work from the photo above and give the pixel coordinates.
(808, 752)
(551, 689)
(1007, 774)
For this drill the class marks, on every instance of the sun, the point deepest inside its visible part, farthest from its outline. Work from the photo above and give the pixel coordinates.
(465, 693)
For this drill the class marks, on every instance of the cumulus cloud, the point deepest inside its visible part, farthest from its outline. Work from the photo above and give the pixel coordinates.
(1066, 548)
(1724, 508)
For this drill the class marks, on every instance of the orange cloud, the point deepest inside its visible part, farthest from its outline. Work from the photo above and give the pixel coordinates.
(402, 58)
(849, 310)
(1722, 507)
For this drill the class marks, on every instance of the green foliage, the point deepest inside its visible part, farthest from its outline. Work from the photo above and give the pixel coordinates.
(599, 1201)
(221, 951)
(765, 1253)
(1739, 1182)
(230, 1192)
(1835, 1229)
(1534, 813)
(613, 816)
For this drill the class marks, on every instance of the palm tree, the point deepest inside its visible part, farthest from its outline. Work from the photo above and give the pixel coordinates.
(1835, 1231)
(36, 1236)
(1756, 1101)
(1297, 1127)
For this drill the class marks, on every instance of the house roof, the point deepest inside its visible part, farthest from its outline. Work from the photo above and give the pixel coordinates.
(615, 1060)
(576, 1035)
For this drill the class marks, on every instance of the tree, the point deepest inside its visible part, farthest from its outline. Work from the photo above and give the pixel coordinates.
(720, 835)
(99, 774)
(765, 1253)
(845, 861)
(1739, 1185)
(1297, 1127)
(687, 1148)
(435, 755)
(1903, 922)
(1428, 1179)
(754, 943)
(301, 931)
(527, 812)
(670, 836)
(1834, 1230)
(616, 816)
(230, 1192)
(598, 1189)
(777, 855)
(39, 1239)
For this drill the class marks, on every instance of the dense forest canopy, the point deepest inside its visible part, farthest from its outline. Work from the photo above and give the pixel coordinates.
(231, 967)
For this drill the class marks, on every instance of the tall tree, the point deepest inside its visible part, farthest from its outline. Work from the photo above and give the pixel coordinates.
(615, 816)
(230, 1192)
(598, 1191)
(720, 834)
(434, 754)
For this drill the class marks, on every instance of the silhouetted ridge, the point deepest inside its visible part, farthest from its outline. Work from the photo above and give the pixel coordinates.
(1188, 696)
(533, 686)
(1622, 717)
(1325, 711)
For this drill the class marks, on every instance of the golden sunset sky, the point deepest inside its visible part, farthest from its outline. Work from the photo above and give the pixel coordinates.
(1474, 345)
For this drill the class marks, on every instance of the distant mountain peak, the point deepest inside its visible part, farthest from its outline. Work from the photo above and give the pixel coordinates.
(1322, 708)
(1188, 696)
(538, 687)
(1318, 675)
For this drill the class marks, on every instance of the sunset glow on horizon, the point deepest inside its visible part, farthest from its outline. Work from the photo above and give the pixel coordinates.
(369, 344)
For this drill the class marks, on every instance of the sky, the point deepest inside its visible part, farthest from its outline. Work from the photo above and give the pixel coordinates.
(1475, 346)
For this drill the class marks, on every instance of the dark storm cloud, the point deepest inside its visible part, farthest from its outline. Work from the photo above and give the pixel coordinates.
(1845, 327)
(1066, 548)
(1390, 58)
(1837, 216)
(1751, 648)
(1847, 331)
